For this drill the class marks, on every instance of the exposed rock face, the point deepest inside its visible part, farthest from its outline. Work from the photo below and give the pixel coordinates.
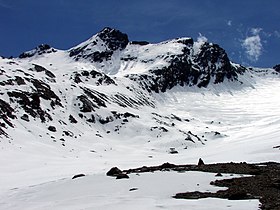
(191, 70)
(41, 49)
(97, 77)
(213, 61)
(277, 68)
(113, 38)
(6, 114)
(139, 42)
(101, 47)
(31, 107)
(30, 102)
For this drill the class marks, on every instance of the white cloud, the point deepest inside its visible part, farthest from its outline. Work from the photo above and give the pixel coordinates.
(277, 34)
(253, 45)
(256, 31)
(200, 41)
(229, 23)
(201, 38)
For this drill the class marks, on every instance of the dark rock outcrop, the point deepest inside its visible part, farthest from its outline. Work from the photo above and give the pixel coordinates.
(41, 49)
(142, 43)
(30, 102)
(113, 40)
(191, 70)
(6, 115)
(200, 162)
(98, 77)
(72, 119)
(115, 171)
(78, 176)
(263, 185)
(52, 128)
(25, 117)
(87, 105)
(277, 68)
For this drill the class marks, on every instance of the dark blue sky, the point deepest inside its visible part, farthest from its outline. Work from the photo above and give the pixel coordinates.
(249, 30)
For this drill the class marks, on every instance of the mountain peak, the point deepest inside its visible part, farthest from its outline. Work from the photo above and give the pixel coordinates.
(39, 50)
(114, 38)
(101, 46)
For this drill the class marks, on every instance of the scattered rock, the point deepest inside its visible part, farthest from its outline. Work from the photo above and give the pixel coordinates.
(125, 120)
(218, 175)
(19, 80)
(49, 73)
(216, 133)
(25, 117)
(52, 128)
(173, 151)
(78, 176)
(163, 129)
(68, 133)
(38, 68)
(106, 120)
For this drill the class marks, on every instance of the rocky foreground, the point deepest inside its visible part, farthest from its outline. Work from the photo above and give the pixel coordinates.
(263, 184)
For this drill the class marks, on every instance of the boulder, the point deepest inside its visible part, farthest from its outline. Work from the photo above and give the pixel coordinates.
(200, 162)
(52, 128)
(72, 119)
(25, 117)
(78, 176)
(115, 171)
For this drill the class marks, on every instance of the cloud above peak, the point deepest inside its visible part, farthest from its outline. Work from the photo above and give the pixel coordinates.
(256, 31)
(200, 41)
(253, 45)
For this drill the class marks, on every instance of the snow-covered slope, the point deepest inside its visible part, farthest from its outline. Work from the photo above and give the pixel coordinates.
(102, 79)
(110, 101)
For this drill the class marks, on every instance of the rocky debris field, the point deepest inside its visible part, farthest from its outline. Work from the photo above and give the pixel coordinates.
(263, 182)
